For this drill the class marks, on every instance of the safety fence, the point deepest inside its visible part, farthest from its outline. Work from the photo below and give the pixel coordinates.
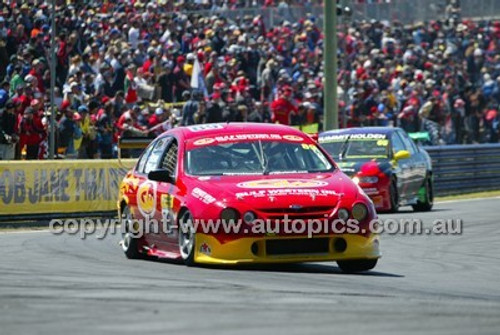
(404, 11)
(460, 169)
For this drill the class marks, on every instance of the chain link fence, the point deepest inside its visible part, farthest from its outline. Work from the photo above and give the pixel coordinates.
(405, 11)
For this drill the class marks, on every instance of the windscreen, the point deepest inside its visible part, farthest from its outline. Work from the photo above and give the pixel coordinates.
(256, 157)
(356, 146)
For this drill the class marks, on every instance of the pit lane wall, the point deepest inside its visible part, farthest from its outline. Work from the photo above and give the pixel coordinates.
(462, 169)
(46, 189)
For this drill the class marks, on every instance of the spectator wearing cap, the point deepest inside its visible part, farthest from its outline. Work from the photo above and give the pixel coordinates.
(151, 56)
(16, 80)
(267, 80)
(24, 94)
(299, 118)
(62, 67)
(76, 142)
(37, 72)
(259, 113)
(130, 114)
(170, 119)
(3, 29)
(130, 86)
(242, 114)
(91, 131)
(75, 65)
(190, 109)
(104, 81)
(214, 108)
(492, 124)
(166, 82)
(134, 33)
(75, 95)
(188, 65)
(158, 117)
(9, 132)
(145, 89)
(119, 104)
(66, 129)
(182, 82)
(283, 107)
(4, 93)
(29, 134)
(82, 148)
(105, 130)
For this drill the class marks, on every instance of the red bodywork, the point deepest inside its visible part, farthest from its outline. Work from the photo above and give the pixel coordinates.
(269, 196)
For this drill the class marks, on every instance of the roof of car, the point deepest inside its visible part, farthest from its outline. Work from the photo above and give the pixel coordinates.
(232, 128)
(363, 130)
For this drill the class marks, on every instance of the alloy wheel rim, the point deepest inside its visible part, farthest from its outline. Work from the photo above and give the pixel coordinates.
(186, 235)
(126, 237)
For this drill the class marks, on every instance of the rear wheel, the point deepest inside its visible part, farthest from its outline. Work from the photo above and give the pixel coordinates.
(358, 265)
(426, 200)
(394, 196)
(130, 244)
(187, 237)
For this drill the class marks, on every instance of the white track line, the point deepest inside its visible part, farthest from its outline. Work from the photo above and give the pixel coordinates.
(465, 200)
(24, 231)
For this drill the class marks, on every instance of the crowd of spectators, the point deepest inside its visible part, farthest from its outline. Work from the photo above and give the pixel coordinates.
(138, 68)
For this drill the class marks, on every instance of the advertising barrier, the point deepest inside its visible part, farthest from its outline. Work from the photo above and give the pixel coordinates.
(30, 188)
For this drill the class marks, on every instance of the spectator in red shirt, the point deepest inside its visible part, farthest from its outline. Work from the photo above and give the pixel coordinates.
(157, 118)
(30, 134)
(283, 107)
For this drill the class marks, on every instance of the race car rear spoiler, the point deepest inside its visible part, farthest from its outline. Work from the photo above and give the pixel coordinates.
(132, 143)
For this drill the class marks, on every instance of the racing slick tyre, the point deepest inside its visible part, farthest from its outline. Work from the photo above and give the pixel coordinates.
(426, 205)
(394, 196)
(359, 265)
(130, 244)
(187, 237)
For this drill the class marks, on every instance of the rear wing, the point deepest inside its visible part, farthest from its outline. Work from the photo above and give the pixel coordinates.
(422, 137)
(131, 143)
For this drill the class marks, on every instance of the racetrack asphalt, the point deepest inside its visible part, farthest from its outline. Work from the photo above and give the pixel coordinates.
(423, 285)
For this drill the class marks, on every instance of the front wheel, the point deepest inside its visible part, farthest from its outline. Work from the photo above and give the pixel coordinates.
(355, 266)
(130, 244)
(187, 237)
(394, 196)
(426, 200)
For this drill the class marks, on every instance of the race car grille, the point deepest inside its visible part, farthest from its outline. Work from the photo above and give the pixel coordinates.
(297, 246)
(297, 210)
(304, 213)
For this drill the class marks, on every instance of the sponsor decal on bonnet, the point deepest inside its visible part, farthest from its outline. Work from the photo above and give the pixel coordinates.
(282, 183)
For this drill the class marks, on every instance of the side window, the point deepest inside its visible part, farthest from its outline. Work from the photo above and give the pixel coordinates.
(156, 154)
(410, 145)
(170, 159)
(397, 143)
(144, 158)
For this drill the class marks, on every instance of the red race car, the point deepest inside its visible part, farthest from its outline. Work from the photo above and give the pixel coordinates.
(244, 193)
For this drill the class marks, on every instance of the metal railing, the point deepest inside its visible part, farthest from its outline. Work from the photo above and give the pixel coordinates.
(460, 169)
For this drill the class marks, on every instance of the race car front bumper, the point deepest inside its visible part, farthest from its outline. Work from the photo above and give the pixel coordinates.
(284, 249)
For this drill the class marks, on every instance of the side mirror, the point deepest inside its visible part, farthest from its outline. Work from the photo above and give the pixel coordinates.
(161, 175)
(402, 154)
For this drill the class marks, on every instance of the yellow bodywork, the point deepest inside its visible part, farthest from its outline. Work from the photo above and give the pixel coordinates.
(209, 250)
